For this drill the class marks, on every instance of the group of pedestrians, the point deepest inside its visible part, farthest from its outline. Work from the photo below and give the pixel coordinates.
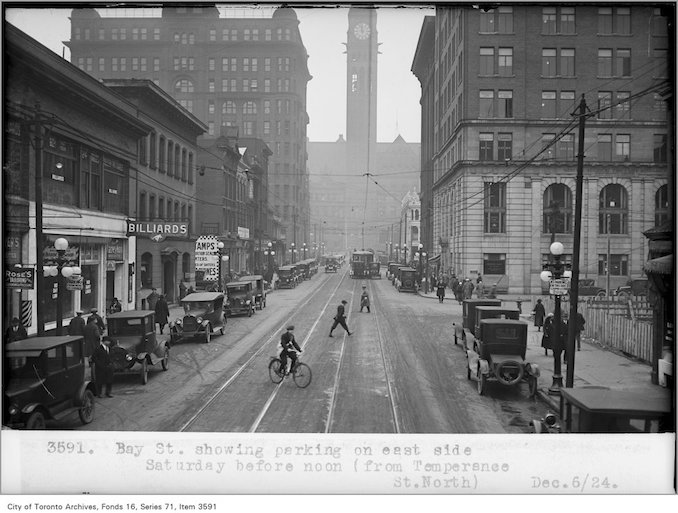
(97, 347)
(547, 321)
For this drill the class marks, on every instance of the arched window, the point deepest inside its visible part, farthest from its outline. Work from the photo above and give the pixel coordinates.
(183, 85)
(416, 215)
(557, 209)
(613, 214)
(661, 205)
(414, 235)
(146, 271)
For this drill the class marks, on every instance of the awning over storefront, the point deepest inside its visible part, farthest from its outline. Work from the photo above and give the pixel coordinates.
(661, 265)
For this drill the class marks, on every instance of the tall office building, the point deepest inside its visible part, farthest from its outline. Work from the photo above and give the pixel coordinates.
(237, 67)
(499, 139)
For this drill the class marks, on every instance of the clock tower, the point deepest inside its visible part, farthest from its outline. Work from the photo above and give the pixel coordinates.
(361, 89)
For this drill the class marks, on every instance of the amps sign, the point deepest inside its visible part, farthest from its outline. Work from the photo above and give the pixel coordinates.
(207, 257)
(151, 229)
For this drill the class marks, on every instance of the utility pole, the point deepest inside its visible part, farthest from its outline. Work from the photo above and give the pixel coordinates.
(574, 285)
(39, 275)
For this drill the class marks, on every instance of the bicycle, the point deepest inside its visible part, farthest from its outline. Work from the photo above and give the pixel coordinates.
(301, 373)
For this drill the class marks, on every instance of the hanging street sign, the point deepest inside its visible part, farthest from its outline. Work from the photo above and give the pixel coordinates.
(74, 283)
(559, 287)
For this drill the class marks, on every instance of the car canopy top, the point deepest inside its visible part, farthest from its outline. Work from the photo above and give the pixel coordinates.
(251, 277)
(38, 344)
(130, 314)
(201, 296)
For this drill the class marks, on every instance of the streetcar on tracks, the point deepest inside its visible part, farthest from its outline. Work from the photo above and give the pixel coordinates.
(360, 264)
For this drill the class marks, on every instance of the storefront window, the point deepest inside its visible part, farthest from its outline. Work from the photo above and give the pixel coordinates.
(90, 287)
(115, 190)
(49, 294)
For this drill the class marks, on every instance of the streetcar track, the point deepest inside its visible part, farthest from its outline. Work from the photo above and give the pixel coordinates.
(257, 353)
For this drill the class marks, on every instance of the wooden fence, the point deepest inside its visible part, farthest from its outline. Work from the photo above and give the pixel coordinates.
(623, 325)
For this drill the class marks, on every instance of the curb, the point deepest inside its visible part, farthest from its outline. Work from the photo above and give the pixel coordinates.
(548, 399)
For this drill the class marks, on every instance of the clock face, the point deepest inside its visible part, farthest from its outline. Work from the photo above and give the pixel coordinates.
(361, 31)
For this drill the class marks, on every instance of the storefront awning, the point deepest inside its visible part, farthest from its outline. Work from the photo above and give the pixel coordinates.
(661, 265)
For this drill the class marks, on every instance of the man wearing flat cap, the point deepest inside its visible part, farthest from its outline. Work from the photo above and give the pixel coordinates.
(98, 320)
(77, 324)
(340, 318)
(289, 348)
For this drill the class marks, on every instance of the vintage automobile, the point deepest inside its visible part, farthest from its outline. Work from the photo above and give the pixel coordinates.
(588, 287)
(331, 265)
(375, 270)
(239, 298)
(133, 340)
(466, 330)
(390, 269)
(394, 272)
(303, 270)
(406, 279)
(286, 277)
(203, 315)
(499, 355)
(44, 379)
(633, 288)
(604, 410)
(259, 289)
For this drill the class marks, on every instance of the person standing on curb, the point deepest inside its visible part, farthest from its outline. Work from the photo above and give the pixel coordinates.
(103, 368)
(580, 327)
(539, 314)
(77, 324)
(340, 318)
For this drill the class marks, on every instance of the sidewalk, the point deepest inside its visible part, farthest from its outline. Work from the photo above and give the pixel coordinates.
(595, 365)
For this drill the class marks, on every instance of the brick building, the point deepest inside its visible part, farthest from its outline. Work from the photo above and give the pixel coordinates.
(499, 87)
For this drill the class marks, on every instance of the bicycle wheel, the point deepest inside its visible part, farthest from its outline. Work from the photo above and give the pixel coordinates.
(274, 370)
(302, 375)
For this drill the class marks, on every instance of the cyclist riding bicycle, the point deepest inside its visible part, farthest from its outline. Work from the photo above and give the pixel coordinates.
(289, 348)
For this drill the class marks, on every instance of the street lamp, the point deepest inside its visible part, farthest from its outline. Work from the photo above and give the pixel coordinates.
(404, 253)
(220, 247)
(270, 254)
(62, 273)
(304, 250)
(292, 251)
(546, 275)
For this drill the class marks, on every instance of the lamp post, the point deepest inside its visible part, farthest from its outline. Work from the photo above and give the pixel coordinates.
(304, 248)
(607, 263)
(292, 252)
(556, 250)
(404, 253)
(62, 272)
(269, 253)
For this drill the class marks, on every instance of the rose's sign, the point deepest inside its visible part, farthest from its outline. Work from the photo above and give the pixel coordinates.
(151, 228)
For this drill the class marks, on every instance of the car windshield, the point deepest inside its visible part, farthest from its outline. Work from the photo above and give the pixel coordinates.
(125, 327)
(236, 290)
(197, 305)
(285, 272)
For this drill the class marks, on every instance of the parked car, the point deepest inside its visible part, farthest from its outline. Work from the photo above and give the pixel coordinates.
(465, 332)
(633, 288)
(286, 277)
(203, 315)
(375, 270)
(44, 379)
(239, 298)
(499, 355)
(603, 410)
(133, 340)
(588, 287)
(406, 279)
(259, 289)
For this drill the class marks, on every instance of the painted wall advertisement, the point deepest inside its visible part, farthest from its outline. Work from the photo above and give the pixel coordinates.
(207, 257)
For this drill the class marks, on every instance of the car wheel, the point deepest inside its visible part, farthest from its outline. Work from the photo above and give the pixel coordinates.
(208, 334)
(482, 382)
(601, 294)
(468, 372)
(144, 371)
(86, 411)
(36, 420)
(165, 360)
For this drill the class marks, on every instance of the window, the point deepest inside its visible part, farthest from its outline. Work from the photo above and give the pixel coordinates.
(504, 147)
(548, 152)
(90, 181)
(102, 64)
(622, 147)
(623, 20)
(567, 20)
(505, 20)
(485, 104)
(566, 147)
(622, 109)
(183, 85)
(614, 21)
(613, 210)
(486, 147)
(228, 107)
(495, 207)
(267, 64)
(604, 147)
(210, 107)
(156, 34)
(567, 62)
(548, 104)
(548, 17)
(211, 64)
(267, 35)
(267, 106)
(156, 64)
(618, 265)
(604, 105)
(210, 85)
(659, 149)
(548, 62)
(249, 108)
(605, 20)
(604, 62)
(487, 61)
(623, 66)
(115, 186)
(557, 209)
(661, 205)
(505, 104)
(505, 63)
(494, 264)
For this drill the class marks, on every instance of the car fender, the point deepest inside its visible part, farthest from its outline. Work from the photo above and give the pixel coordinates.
(532, 369)
(484, 366)
(141, 357)
(205, 324)
(30, 408)
(87, 385)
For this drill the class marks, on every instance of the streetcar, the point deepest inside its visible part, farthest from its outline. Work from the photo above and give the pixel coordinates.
(360, 264)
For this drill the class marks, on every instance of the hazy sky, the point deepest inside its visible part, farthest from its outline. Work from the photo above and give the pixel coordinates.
(323, 31)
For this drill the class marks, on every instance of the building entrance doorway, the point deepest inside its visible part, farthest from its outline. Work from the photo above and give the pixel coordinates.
(110, 287)
(169, 280)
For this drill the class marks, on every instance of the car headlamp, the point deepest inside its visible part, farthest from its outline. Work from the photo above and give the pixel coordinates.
(199, 320)
(179, 323)
(129, 357)
(13, 409)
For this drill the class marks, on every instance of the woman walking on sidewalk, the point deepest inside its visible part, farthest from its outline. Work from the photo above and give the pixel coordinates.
(539, 313)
